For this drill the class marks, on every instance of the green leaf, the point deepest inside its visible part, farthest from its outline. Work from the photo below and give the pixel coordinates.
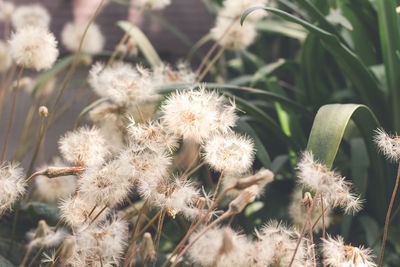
(390, 42)
(370, 227)
(5, 263)
(327, 133)
(285, 28)
(359, 165)
(366, 84)
(261, 153)
(37, 211)
(143, 43)
(266, 70)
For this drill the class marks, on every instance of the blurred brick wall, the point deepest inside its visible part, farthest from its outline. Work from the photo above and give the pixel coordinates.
(189, 16)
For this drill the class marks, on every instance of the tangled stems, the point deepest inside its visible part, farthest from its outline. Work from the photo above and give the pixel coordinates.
(388, 216)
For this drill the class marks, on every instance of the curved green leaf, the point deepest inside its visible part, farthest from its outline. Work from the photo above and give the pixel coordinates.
(285, 28)
(143, 43)
(89, 108)
(366, 84)
(327, 133)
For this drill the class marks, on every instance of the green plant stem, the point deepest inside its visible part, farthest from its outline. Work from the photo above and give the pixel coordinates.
(388, 216)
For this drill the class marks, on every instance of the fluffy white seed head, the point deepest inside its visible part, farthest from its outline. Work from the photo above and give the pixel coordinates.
(34, 15)
(102, 245)
(45, 236)
(164, 74)
(234, 9)
(6, 10)
(84, 147)
(220, 247)
(298, 212)
(232, 35)
(34, 48)
(231, 154)
(152, 135)
(387, 144)
(336, 191)
(177, 196)
(146, 165)
(72, 35)
(12, 185)
(337, 254)
(51, 190)
(197, 114)
(107, 185)
(76, 211)
(153, 4)
(5, 57)
(122, 83)
(282, 240)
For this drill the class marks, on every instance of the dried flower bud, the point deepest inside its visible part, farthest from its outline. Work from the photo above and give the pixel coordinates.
(240, 202)
(67, 250)
(146, 249)
(42, 229)
(307, 200)
(43, 111)
(52, 172)
(263, 176)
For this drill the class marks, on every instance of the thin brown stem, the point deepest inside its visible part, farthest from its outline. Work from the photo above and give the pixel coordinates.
(312, 244)
(211, 225)
(14, 103)
(158, 234)
(98, 214)
(309, 212)
(36, 256)
(211, 64)
(388, 216)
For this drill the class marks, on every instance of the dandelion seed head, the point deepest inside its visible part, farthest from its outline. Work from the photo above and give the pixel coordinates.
(164, 74)
(122, 83)
(232, 35)
(334, 188)
(12, 185)
(152, 135)
(84, 147)
(34, 48)
(34, 15)
(106, 240)
(212, 248)
(195, 114)
(72, 35)
(107, 185)
(282, 240)
(235, 8)
(337, 254)
(298, 212)
(48, 236)
(230, 154)
(5, 58)
(388, 145)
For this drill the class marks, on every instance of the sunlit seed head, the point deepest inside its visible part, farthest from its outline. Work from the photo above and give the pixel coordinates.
(387, 144)
(6, 10)
(336, 254)
(34, 15)
(34, 48)
(84, 147)
(12, 185)
(231, 154)
(235, 8)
